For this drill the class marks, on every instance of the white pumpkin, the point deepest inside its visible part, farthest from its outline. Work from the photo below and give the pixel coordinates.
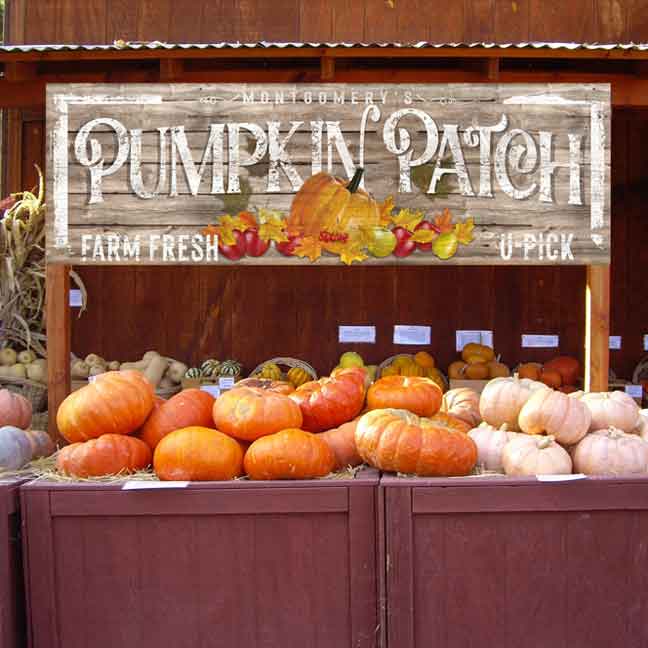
(611, 452)
(490, 442)
(463, 403)
(642, 426)
(612, 409)
(503, 398)
(15, 448)
(528, 454)
(552, 412)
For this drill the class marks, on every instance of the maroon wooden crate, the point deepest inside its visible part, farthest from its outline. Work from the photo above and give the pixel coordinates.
(232, 565)
(12, 597)
(515, 563)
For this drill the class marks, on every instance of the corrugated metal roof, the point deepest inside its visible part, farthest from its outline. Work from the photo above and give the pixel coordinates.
(157, 45)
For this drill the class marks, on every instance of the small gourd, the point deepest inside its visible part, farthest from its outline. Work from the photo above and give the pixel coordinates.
(193, 372)
(209, 368)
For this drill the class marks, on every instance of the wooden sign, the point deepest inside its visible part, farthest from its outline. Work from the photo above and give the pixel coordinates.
(329, 174)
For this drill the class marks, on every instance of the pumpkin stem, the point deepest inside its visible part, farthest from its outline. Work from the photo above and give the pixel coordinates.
(355, 181)
(545, 442)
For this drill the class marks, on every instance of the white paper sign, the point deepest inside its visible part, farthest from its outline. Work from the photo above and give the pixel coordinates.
(560, 478)
(134, 484)
(214, 390)
(636, 391)
(476, 337)
(646, 342)
(418, 335)
(615, 341)
(540, 341)
(92, 378)
(76, 300)
(366, 334)
(226, 382)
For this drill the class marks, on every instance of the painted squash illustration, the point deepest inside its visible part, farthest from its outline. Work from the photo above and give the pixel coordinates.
(330, 205)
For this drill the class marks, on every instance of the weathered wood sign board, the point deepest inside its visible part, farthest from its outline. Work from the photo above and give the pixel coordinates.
(329, 174)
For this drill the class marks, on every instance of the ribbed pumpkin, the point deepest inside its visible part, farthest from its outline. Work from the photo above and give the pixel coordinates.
(341, 440)
(612, 409)
(249, 413)
(400, 441)
(187, 408)
(535, 455)
(611, 452)
(110, 454)
(277, 386)
(289, 454)
(15, 410)
(567, 367)
(554, 413)
(502, 399)
(117, 402)
(463, 403)
(198, 454)
(329, 402)
(41, 443)
(15, 448)
(490, 443)
(329, 204)
(418, 395)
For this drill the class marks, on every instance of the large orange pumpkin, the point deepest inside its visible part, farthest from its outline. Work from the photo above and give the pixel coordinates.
(116, 402)
(189, 407)
(341, 440)
(567, 367)
(400, 441)
(289, 454)
(15, 410)
(198, 454)
(329, 402)
(110, 454)
(420, 396)
(278, 386)
(248, 413)
(329, 204)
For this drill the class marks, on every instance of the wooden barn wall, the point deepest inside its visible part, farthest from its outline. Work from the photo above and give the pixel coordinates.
(252, 315)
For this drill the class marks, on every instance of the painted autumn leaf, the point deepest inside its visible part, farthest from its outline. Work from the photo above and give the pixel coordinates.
(272, 226)
(408, 219)
(444, 221)
(210, 230)
(464, 231)
(352, 252)
(386, 209)
(423, 236)
(310, 248)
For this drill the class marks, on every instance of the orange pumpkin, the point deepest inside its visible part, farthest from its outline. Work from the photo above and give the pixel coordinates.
(116, 402)
(421, 396)
(399, 441)
(289, 454)
(189, 407)
(110, 454)
(551, 378)
(15, 410)
(329, 402)
(198, 454)
(567, 367)
(530, 370)
(329, 204)
(463, 403)
(341, 440)
(248, 413)
(277, 386)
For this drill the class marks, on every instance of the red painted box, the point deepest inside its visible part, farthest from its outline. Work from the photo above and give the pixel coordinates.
(221, 565)
(12, 597)
(511, 563)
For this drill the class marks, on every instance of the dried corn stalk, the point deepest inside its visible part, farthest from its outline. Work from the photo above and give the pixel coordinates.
(22, 272)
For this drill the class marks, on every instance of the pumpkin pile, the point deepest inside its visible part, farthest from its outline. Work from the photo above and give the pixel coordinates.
(422, 364)
(560, 373)
(478, 362)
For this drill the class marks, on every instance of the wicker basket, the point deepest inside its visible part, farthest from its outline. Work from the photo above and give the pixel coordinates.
(285, 364)
(386, 363)
(40, 421)
(34, 392)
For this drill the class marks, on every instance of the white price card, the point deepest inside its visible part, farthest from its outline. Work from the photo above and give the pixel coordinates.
(646, 342)
(214, 390)
(615, 341)
(135, 484)
(92, 378)
(365, 334)
(540, 341)
(418, 335)
(636, 391)
(226, 382)
(560, 478)
(76, 300)
(476, 337)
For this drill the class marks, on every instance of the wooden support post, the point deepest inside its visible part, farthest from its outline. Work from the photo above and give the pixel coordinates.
(327, 68)
(597, 328)
(57, 285)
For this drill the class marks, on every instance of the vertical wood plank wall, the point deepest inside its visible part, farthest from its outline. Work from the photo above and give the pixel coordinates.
(196, 312)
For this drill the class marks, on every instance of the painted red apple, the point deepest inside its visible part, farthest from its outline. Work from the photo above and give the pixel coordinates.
(287, 248)
(236, 251)
(404, 247)
(426, 225)
(254, 245)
